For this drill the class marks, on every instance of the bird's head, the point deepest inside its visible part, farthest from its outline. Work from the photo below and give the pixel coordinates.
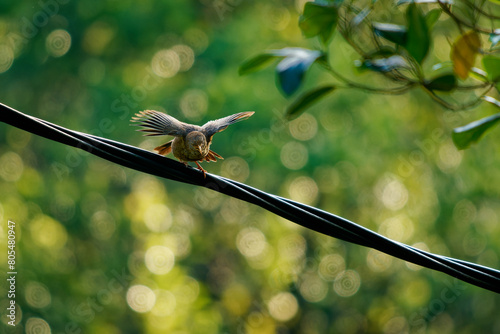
(197, 140)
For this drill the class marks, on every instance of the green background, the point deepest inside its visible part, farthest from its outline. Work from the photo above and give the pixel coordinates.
(104, 249)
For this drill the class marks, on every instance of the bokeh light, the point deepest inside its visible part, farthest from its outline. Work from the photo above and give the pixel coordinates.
(98, 36)
(165, 304)
(102, 225)
(159, 260)
(37, 295)
(186, 56)
(449, 157)
(197, 39)
(303, 189)
(396, 325)
(292, 247)
(37, 326)
(313, 288)
(391, 192)
(11, 166)
(158, 218)
(47, 232)
(330, 266)
(237, 299)
(398, 228)
(194, 104)
(6, 58)
(235, 168)
(283, 306)
(277, 17)
(464, 212)
(251, 242)
(304, 127)
(347, 283)
(166, 63)
(294, 155)
(58, 43)
(140, 298)
(378, 261)
(188, 292)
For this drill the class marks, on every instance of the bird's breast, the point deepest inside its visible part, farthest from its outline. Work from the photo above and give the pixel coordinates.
(186, 151)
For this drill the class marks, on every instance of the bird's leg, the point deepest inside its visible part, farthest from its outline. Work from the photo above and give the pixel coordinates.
(200, 168)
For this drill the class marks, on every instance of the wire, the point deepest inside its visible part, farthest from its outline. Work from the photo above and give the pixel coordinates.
(304, 215)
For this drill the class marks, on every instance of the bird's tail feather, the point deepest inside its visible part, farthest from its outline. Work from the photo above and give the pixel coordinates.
(165, 148)
(212, 156)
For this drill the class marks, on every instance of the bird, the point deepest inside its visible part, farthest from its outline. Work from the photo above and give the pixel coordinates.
(191, 142)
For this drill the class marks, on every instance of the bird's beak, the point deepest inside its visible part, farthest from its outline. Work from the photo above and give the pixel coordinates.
(199, 148)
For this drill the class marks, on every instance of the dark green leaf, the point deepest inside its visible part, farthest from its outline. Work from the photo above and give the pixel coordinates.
(392, 32)
(384, 52)
(290, 71)
(492, 67)
(418, 40)
(443, 83)
(305, 100)
(465, 135)
(256, 63)
(432, 17)
(318, 19)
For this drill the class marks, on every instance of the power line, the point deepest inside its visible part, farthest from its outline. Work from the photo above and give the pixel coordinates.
(304, 215)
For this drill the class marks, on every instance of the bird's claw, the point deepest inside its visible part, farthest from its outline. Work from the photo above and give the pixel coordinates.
(201, 168)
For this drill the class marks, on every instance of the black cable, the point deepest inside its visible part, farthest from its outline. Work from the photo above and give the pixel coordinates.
(304, 215)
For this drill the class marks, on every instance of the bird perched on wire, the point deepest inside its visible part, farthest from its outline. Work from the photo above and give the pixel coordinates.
(191, 142)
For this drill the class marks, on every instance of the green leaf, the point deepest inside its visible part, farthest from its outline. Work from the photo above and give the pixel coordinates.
(494, 38)
(463, 53)
(432, 17)
(392, 32)
(319, 19)
(385, 64)
(491, 100)
(492, 66)
(443, 83)
(465, 135)
(418, 40)
(360, 17)
(402, 2)
(478, 74)
(304, 101)
(290, 71)
(383, 52)
(256, 63)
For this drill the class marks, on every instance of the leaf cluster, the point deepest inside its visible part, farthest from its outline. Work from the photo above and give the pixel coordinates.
(398, 53)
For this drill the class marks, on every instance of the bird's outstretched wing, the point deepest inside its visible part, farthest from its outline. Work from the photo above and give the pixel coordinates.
(156, 123)
(212, 127)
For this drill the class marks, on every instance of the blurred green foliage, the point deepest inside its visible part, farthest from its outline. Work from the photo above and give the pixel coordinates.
(397, 53)
(103, 249)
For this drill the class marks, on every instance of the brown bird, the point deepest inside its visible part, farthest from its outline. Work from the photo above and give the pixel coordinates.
(191, 142)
